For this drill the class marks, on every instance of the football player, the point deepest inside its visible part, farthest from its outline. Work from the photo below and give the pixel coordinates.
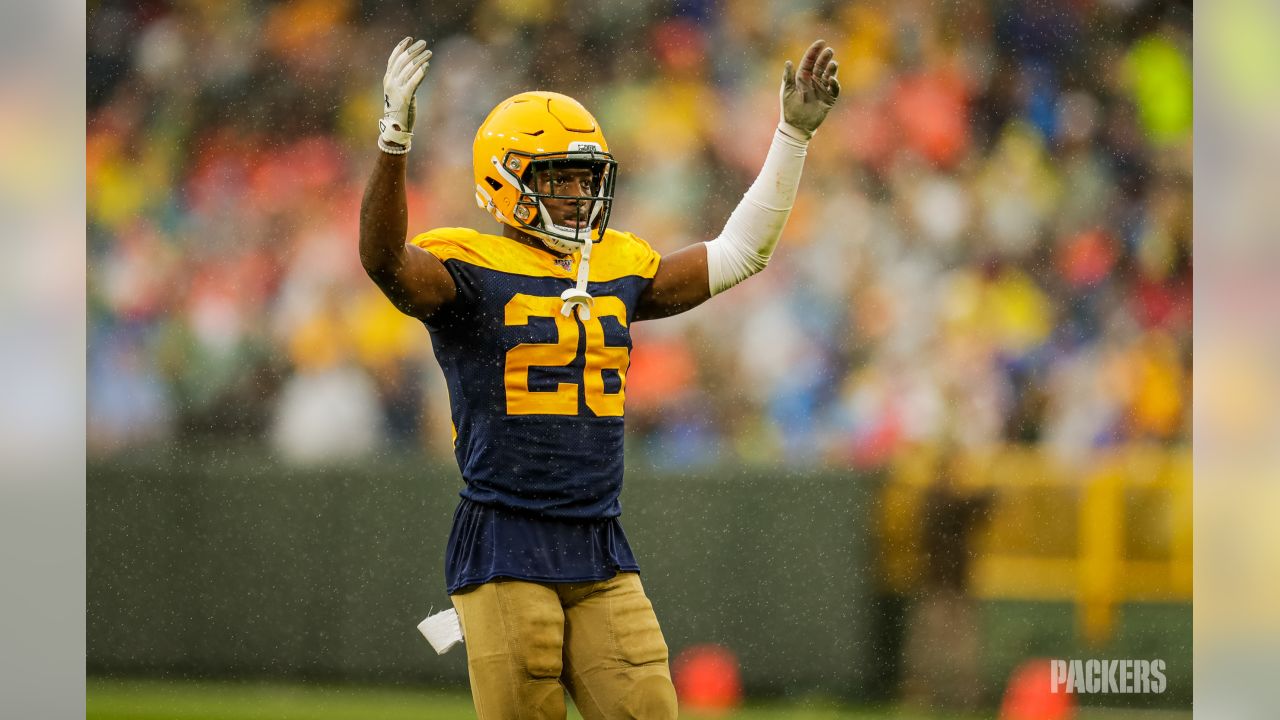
(531, 326)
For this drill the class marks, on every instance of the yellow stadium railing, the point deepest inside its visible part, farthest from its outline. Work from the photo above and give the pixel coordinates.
(1112, 529)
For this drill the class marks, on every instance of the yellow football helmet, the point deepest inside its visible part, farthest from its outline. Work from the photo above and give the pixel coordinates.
(536, 132)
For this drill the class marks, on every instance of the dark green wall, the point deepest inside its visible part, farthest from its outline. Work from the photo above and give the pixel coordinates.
(225, 562)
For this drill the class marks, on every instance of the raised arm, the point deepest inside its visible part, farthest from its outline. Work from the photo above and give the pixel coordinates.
(689, 277)
(411, 278)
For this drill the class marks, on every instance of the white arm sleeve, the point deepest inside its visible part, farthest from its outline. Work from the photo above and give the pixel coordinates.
(749, 237)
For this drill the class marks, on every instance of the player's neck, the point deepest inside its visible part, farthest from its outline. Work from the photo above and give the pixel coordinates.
(525, 238)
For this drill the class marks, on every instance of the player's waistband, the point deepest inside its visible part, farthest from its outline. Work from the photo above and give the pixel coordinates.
(488, 542)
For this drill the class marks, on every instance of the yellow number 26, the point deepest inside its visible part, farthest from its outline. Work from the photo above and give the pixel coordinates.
(563, 400)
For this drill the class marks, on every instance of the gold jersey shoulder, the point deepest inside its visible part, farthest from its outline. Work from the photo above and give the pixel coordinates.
(617, 255)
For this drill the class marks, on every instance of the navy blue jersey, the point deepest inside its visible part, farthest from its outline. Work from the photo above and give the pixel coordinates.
(488, 542)
(537, 397)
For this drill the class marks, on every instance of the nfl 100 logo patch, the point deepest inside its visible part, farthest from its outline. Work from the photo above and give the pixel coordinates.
(565, 262)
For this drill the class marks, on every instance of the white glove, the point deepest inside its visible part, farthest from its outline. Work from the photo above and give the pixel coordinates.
(808, 97)
(405, 69)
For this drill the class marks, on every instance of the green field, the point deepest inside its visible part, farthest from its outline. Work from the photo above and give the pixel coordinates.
(161, 700)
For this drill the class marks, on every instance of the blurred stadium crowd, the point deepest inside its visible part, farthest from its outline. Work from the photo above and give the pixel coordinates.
(992, 242)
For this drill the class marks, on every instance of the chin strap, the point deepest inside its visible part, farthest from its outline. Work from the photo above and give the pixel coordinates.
(578, 296)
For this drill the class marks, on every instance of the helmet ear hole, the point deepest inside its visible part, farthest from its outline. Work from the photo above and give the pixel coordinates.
(493, 183)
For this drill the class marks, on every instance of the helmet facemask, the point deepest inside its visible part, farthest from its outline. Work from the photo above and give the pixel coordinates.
(531, 213)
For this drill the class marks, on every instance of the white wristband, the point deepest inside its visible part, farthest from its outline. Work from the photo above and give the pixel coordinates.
(388, 133)
(391, 149)
(749, 237)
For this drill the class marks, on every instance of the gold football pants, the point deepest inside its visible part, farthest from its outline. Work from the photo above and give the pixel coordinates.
(528, 642)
